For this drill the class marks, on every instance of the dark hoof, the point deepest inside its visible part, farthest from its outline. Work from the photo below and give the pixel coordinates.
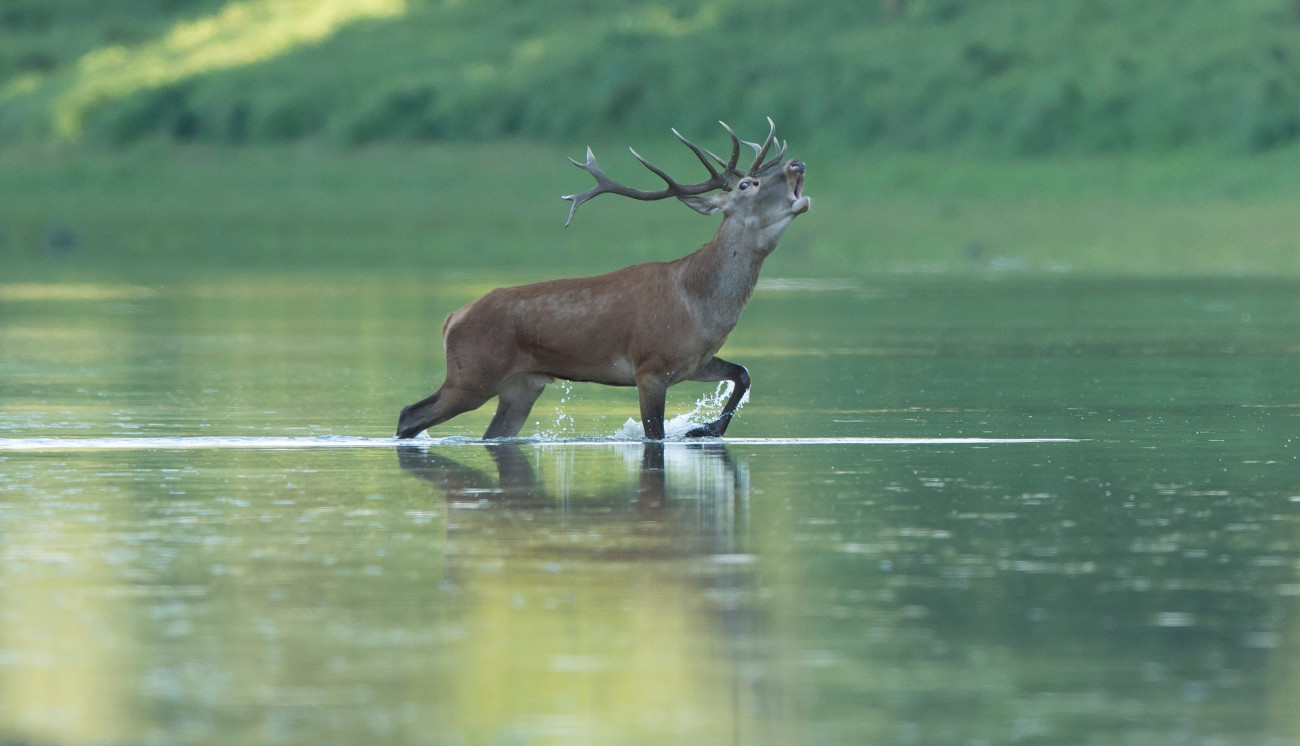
(702, 432)
(405, 431)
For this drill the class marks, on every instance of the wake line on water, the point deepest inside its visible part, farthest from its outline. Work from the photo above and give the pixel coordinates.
(197, 443)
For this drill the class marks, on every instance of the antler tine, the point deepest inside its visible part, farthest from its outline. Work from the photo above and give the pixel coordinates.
(700, 153)
(780, 153)
(577, 199)
(672, 185)
(762, 153)
(735, 148)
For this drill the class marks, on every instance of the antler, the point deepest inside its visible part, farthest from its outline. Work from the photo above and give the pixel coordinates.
(758, 166)
(717, 179)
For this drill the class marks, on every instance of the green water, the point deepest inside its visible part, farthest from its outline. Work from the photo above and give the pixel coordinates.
(1137, 586)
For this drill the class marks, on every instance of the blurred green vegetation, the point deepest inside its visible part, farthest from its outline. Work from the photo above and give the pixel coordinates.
(1090, 135)
(428, 210)
(1001, 75)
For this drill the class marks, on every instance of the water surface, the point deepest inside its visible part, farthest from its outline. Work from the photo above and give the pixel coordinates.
(952, 513)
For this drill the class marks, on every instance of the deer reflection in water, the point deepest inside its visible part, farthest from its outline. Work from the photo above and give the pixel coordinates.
(690, 498)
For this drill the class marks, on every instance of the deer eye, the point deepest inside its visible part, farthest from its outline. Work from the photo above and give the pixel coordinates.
(745, 184)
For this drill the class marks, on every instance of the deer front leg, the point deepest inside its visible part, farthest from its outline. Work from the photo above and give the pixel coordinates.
(718, 369)
(653, 391)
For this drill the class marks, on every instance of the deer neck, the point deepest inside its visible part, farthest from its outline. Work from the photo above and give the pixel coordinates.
(720, 277)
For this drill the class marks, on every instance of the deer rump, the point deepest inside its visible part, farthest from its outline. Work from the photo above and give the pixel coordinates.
(649, 325)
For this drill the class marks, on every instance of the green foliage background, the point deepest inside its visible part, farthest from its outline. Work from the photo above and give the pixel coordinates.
(1016, 76)
(1159, 133)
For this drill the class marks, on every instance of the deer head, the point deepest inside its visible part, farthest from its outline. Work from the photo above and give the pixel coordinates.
(768, 194)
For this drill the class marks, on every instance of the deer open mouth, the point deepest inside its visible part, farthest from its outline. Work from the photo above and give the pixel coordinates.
(798, 202)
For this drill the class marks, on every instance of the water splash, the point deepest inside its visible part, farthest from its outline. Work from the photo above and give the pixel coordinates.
(707, 409)
(564, 426)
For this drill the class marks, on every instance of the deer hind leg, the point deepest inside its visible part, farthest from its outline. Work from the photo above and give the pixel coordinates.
(718, 369)
(446, 402)
(514, 402)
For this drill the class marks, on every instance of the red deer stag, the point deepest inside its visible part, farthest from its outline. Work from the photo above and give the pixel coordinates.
(650, 325)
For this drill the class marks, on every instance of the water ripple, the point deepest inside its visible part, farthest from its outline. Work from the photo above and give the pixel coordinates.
(343, 441)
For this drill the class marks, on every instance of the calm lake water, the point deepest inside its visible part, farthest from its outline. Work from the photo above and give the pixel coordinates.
(207, 538)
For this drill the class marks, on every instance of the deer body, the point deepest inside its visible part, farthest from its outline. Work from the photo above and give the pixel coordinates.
(650, 325)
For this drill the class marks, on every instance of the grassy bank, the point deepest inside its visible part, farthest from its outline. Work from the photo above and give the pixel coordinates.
(163, 209)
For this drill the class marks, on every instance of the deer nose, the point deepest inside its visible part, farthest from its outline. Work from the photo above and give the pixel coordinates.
(795, 167)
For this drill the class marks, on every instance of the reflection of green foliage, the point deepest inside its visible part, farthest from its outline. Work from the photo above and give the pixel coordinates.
(1005, 75)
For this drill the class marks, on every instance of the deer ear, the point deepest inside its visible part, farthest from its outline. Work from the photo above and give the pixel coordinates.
(706, 204)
